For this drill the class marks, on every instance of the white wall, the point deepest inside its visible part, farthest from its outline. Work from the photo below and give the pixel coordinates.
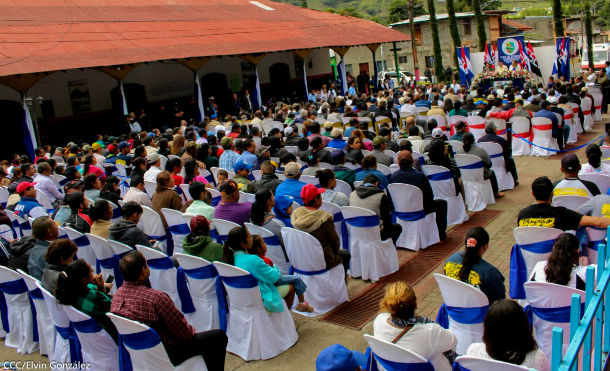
(320, 62)
(162, 80)
(55, 87)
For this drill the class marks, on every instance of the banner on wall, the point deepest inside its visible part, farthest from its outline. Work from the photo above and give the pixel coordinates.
(508, 49)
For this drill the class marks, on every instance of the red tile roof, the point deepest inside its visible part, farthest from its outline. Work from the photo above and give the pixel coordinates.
(517, 25)
(49, 35)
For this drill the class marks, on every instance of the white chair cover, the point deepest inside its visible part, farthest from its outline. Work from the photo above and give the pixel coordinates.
(116, 213)
(456, 145)
(505, 179)
(598, 98)
(391, 154)
(384, 351)
(532, 245)
(419, 230)
(335, 210)
(150, 187)
(85, 251)
(24, 224)
(154, 358)
(151, 224)
(223, 227)
(544, 295)
(178, 227)
(17, 312)
(326, 288)
(476, 125)
(3, 197)
(595, 236)
(162, 272)
(201, 277)
(106, 261)
(500, 125)
(454, 120)
(601, 181)
(570, 202)
(15, 226)
(385, 170)
(119, 248)
(64, 335)
(44, 201)
(343, 187)
(275, 252)
(253, 332)
(461, 295)
(257, 174)
(521, 127)
(185, 191)
(309, 179)
(481, 364)
(586, 106)
(46, 330)
(543, 136)
(477, 191)
(443, 187)
(97, 347)
(371, 258)
(568, 116)
(215, 196)
(576, 118)
(246, 197)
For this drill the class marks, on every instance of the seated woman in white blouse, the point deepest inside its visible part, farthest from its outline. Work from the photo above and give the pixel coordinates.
(398, 324)
(594, 159)
(562, 266)
(507, 337)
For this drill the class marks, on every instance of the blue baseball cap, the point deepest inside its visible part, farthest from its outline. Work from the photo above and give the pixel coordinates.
(339, 358)
(123, 144)
(241, 165)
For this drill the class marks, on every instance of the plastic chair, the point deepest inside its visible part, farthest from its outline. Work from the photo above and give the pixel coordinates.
(595, 236)
(521, 128)
(586, 106)
(215, 196)
(46, 331)
(461, 299)
(185, 191)
(107, 262)
(97, 347)
(391, 356)
(15, 226)
(275, 252)
(419, 230)
(3, 197)
(253, 332)
(542, 136)
(568, 120)
(152, 358)
(18, 320)
(246, 197)
(601, 181)
(385, 170)
(151, 224)
(335, 211)
(202, 290)
(443, 187)
(371, 258)
(570, 202)
(85, 251)
(325, 287)
(24, 225)
(477, 191)
(223, 227)
(500, 125)
(343, 187)
(495, 152)
(532, 245)
(150, 188)
(116, 213)
(481, 364)
(476, 125)
(162, 272)
(177, 226)
(543, 296)
(309, 179)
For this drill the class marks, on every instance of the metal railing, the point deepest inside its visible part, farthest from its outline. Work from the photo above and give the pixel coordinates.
(589, 331)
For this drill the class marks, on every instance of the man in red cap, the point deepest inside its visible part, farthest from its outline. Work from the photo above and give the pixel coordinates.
(28, 206)
(319, 223)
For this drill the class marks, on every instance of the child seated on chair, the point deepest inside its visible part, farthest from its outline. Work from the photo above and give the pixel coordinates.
(221, 176)
(259, 247)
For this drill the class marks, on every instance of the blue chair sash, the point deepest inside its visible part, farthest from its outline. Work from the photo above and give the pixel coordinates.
(68, 333)
(272, 240)
(202, 273)
(518, 269)
(358, 221)
(554, 315)
(116, 213)
(473, 166)
(25, 226)
(160, 263)
(170, 241)
(409, 216)
(4, 313)
(215, 200)
(239, 282)
(17, 287)
(293, 270)
(88, 326)
(466, 316)
(445, 175)
(111, 263)
(82, 241)
(458, 367)
(137, 341)
(14, 227)
(179, 229)
(496, 155)
(374, 361)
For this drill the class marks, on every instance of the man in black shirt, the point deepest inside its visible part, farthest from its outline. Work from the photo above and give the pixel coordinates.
(407, 175)
(542, 214)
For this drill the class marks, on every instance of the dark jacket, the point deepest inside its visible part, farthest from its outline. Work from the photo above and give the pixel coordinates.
(374, 199)
(49, 276)
(319, 224)
(36, 261)
(292, 140)
(202, 246)
(77, 222)
(127, 232)
(267, 181)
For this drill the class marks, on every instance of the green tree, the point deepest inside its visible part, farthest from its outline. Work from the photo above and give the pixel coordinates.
(304, 4)
(398, 10)
(438, 56)
(476, 6)
(557, 18)
(453, 28)
(589, 31)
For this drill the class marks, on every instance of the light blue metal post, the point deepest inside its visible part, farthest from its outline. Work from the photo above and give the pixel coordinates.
(586, 349)
(574, 320)
(557, 352)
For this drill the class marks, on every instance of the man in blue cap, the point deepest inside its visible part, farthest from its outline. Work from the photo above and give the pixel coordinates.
(292, 185)
(242, 171)
(339, 358)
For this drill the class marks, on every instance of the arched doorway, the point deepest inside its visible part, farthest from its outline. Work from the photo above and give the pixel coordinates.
(215, 85)
(11, 140)
(135, 95)
(279, 78)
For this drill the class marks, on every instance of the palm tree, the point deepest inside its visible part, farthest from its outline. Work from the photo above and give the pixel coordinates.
(476, 6)
(589, 32)
(453, 29)
(557, 18)
(438, 56)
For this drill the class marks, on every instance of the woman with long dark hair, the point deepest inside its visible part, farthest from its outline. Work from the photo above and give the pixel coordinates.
(164, 149)
(192, 174)
(239, 241)
(354, 150)
(438, 155)
(562, 265)
(204, 154)
(174, 167)
(110, 190)
(595, 164)
(261, 214)
(90, 167)
(79, 287)
(507, 337)
(470, 267)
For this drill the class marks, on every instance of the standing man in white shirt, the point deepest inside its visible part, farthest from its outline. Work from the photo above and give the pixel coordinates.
(155, 168)
(46, 185)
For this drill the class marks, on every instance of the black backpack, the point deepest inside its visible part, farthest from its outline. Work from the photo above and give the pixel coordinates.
(20, 253)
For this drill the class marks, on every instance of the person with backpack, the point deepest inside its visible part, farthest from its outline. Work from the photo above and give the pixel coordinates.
(44, 230)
